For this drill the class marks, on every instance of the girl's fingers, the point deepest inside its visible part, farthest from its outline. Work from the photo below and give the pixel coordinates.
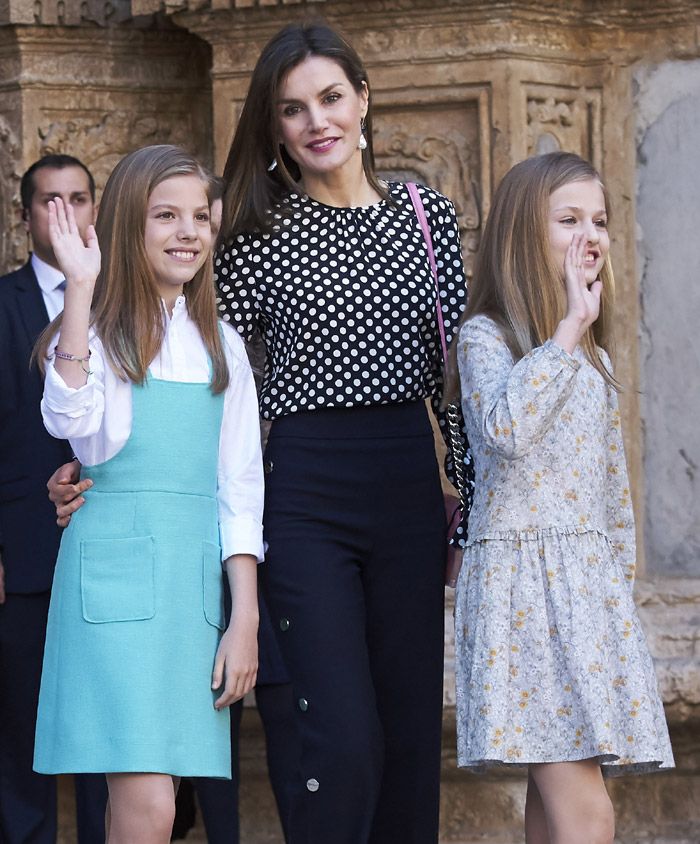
(218, 673)
(238, 684)
(61, 214)
(54, 228)
(70, 219)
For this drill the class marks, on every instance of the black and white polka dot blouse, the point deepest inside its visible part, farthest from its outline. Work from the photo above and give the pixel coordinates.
(345, 301)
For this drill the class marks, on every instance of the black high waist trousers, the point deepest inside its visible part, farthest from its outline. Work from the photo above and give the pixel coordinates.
(353, 578)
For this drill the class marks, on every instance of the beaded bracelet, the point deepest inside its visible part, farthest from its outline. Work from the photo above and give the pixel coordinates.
(81, 361)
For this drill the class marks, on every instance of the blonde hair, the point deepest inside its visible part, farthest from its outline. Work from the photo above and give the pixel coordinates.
(516, 282)
(127, 311)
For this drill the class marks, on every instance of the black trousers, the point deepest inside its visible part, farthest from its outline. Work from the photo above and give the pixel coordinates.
(27, 799)
(353, 579)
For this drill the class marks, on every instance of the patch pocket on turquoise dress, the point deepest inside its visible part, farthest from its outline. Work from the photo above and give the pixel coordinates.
(213, 584)
(117, 579)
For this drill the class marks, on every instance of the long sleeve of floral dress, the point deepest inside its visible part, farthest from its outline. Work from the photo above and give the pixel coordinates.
(512, 405)
(619, 500)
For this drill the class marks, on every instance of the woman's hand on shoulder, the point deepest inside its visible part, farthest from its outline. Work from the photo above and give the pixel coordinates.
(79, 261)
(583, 300)
(66, 490)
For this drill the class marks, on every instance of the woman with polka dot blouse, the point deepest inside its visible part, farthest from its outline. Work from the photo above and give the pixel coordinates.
(328, 265)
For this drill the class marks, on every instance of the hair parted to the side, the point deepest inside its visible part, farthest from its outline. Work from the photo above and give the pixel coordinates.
(52, 161)
(516, 282)
(127, 311)
(251, 189)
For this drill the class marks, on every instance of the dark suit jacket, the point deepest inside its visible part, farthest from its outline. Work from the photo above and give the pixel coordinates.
(29, 536)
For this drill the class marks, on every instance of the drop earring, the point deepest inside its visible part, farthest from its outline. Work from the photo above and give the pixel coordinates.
(272, 166)
(362, 143)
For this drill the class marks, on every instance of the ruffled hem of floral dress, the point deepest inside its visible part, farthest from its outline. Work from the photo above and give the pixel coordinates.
(551, 660)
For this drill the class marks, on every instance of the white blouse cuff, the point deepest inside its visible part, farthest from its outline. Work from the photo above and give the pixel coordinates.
(241, 535)
(73, 402)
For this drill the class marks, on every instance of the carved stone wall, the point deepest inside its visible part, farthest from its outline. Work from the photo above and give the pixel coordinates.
(462, 89)
(96, 93)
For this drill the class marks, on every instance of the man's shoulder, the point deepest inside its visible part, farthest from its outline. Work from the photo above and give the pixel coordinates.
(8, 282)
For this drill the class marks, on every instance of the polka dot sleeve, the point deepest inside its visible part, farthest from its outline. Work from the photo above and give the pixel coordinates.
(235, 270)
(453, 296)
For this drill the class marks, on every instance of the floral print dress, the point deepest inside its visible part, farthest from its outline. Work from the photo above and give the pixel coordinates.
(552, 663)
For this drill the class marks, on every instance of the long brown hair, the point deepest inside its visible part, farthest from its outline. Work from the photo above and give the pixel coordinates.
(516, 281)
(127, 311)
(251, 189)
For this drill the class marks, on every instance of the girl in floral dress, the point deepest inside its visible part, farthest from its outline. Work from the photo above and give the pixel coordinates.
(553, 670)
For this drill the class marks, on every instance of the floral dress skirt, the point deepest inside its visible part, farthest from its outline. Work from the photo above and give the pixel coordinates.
(552, 663)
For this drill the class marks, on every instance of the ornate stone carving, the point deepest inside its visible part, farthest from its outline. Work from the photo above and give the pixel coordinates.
(12, 237)
(408, 147)
(101, 140)
(66, 12)
(564, 118)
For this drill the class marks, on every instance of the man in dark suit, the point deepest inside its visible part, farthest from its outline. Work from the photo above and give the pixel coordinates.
(29, 536)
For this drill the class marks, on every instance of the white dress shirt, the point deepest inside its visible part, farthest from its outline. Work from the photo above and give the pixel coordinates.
(51, 283)
(96, 419)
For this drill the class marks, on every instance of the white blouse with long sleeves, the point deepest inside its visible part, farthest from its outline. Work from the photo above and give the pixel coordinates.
(96, 419)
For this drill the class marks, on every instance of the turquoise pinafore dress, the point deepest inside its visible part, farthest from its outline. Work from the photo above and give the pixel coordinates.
(137, 603)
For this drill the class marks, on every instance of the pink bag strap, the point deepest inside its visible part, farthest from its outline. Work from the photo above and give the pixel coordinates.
(425, 228)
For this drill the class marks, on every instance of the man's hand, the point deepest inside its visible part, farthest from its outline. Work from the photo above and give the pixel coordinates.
(66, 491)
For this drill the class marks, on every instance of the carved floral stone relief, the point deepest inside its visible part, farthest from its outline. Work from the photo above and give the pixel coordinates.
(101, 140)
(438, 146)
(12, 235)
(564, 118)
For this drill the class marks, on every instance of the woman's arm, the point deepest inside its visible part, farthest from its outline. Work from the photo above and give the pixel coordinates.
(234, 273)
(66, 491)
(452, 285)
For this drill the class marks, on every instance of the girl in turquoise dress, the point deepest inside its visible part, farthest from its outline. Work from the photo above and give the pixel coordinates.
(158, 402)
(552, 667)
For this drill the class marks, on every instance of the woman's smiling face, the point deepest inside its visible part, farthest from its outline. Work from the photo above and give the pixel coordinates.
(319, 114)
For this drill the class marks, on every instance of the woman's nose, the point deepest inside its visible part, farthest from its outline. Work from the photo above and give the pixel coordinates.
(317, 119)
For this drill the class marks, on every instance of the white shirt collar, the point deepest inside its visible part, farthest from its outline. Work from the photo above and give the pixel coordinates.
(179, 310)
(48, 277)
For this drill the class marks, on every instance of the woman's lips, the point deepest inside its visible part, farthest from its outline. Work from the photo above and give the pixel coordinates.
(322, 145)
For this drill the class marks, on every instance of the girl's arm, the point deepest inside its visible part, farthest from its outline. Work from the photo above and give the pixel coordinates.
(513, 406)
(80, 264)
(619, 498)
(240, 473)
(73, 405)
(236, 664)
(510, 406)
(240, 501)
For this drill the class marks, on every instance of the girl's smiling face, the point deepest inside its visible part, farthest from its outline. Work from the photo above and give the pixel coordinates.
(319, 114)
(178, 235)
(579, 208)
